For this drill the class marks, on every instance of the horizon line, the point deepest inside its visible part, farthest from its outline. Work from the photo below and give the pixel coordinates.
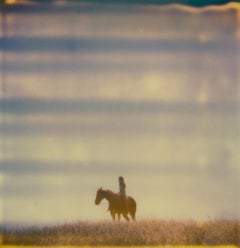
(183, 5)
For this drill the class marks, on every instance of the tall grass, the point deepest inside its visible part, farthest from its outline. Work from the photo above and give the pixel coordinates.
(145, 232)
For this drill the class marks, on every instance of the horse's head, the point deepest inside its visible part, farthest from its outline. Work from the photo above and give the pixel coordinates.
(99, 196)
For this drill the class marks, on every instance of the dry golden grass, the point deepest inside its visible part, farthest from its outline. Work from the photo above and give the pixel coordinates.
(139, 233)
(177, 246)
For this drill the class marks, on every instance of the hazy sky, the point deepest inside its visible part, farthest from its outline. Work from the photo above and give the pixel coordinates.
(91, 92)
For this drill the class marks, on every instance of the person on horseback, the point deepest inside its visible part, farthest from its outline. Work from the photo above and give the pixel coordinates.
(122, 186)
(119, 203)
(122, 192)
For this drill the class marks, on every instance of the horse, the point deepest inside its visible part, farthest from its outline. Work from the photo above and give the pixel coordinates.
(118, 204)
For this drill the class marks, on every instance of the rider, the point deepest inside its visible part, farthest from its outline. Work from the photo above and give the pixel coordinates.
(122, 190)
(122, 186)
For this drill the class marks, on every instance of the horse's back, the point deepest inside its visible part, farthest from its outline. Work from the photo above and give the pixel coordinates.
(131, 203)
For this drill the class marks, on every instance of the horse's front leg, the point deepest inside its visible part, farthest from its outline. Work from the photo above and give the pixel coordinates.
(113, 215)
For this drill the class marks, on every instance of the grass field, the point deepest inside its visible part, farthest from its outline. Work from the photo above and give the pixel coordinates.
(157, 233)
(177, 246)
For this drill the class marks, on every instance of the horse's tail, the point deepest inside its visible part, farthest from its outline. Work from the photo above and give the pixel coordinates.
(132, 207)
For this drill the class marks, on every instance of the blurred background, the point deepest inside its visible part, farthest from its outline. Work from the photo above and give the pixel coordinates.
(90, 92)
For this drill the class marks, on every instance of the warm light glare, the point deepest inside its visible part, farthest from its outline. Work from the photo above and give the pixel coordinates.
(235, 5)
(10, 1)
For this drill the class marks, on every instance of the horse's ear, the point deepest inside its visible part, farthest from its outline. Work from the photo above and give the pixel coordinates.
(101, 188)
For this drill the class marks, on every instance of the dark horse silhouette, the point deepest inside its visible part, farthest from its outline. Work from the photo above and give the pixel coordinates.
(117, 204)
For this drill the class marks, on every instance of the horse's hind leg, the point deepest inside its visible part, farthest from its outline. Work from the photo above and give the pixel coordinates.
(113, 215)
(133, 215)
(126, 217)
(119, 216)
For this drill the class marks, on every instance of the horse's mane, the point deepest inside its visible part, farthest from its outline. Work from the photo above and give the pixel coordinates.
(109, 191)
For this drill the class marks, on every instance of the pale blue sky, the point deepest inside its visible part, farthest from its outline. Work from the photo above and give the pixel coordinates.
(147, 92)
